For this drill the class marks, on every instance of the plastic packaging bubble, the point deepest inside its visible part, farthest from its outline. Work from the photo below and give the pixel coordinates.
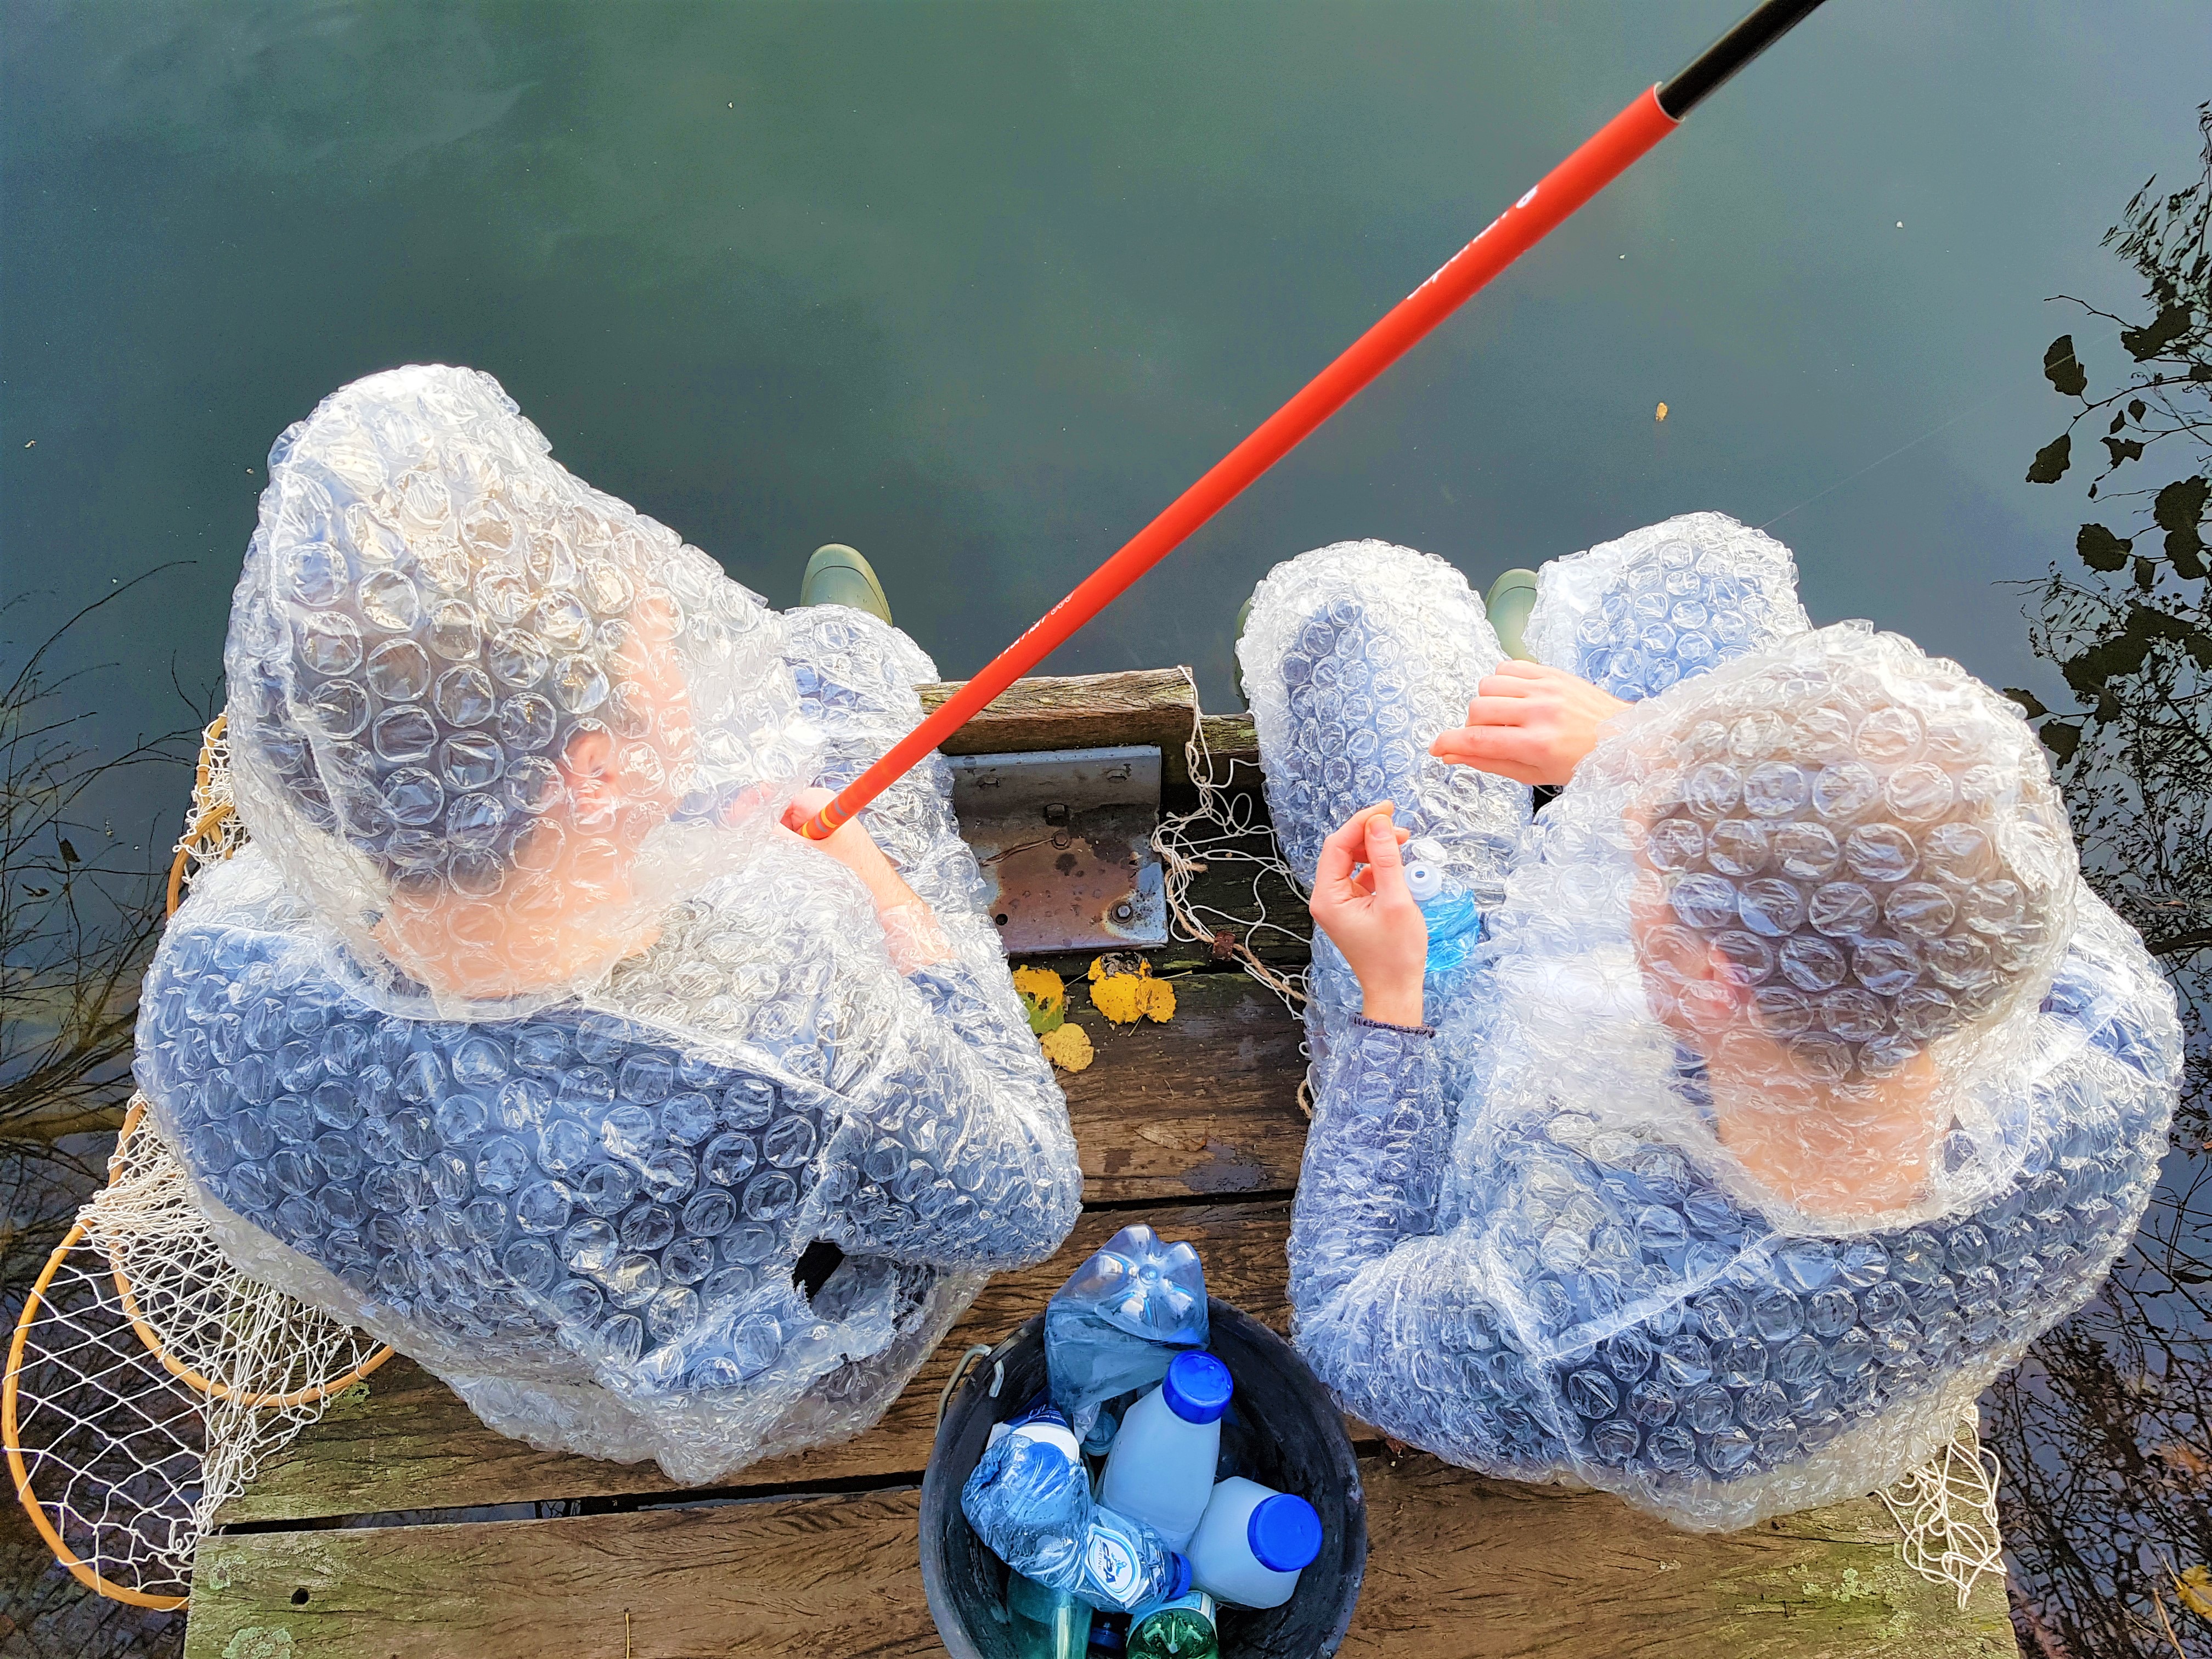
(1730, 1173)
(518, 1035)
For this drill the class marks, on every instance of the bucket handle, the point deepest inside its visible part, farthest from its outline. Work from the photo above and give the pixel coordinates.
(980, 1351)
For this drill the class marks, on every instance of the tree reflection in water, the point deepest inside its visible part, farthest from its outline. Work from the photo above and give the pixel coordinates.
(2106, 1430)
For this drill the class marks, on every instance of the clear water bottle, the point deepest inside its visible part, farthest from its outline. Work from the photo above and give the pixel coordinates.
(1120, 1318)
(1047, 1624)
(1161, 1468)
(1253, 1543)
(1180, 1629)
(1029, 1502)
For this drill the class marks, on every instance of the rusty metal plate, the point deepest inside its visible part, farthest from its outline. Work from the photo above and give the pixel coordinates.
(1064, 839)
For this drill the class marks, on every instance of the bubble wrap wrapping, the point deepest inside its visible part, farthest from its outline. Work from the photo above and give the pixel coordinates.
(1796, 1084)
(1634, 615)
(565, 1143)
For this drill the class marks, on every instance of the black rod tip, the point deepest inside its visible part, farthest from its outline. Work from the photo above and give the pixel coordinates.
(1759, 29)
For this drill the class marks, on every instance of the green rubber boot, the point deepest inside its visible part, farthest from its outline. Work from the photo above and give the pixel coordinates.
(838, 575)
(1512, 597)
(1236, 662)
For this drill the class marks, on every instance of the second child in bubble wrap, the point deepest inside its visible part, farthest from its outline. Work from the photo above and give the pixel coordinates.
(525, 1033)
(1795, 1082)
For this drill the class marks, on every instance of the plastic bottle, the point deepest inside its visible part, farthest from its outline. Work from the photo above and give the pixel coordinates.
(1029, 1502)
(1049, 1624)
(1180, 1629)
(1119, 1320)
(1253, 1541)
(1160, 1470)
(1454, 920)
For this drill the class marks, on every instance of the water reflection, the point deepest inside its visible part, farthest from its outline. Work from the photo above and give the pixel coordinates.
(2106, 1431)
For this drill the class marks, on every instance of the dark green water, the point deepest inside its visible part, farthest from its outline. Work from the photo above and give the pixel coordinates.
(980, 287)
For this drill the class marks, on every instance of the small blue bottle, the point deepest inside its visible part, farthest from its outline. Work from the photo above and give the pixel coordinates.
(1454, 920)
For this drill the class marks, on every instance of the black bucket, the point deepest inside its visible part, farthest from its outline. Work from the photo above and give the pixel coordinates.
(1282, 1431)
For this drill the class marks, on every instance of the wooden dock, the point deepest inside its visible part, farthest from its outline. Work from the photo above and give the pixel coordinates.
(400, 1528)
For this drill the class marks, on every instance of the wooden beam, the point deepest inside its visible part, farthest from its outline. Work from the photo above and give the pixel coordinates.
(1076, 711)
(1458, 1568)
(407, 1444)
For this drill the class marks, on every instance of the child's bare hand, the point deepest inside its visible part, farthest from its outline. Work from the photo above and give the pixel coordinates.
(852, 847)
(1529, 723)
(1370, 915)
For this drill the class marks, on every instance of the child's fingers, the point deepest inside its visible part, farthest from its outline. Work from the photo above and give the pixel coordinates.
(1481, 745)
(1386, 870)
(1488, 711)
(1346, 848)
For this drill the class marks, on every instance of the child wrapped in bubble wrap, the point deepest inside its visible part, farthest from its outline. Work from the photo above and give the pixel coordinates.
(524, 1032)
(1718, 1135)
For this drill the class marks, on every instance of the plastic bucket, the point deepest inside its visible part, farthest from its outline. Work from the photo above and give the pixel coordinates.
(1283, 1430)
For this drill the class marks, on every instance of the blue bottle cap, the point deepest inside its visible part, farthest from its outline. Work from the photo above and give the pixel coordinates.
(1284, 1532)
(1197, 1387)
(1182, 1586)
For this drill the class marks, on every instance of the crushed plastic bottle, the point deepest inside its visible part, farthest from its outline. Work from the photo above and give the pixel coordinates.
(1181, 1629)
(1029, 1502)
(1253, 1544)
(1120, 1319)
(1161, 1468)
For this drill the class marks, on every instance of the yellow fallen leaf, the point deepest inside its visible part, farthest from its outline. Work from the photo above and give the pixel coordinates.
(2194, 1586)
(1159, 1000)
(1663, 412)
(1041, 986)
(1123, 998)
(1068, 1047)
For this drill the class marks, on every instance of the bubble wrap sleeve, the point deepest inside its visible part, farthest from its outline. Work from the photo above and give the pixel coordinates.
(1381, 1131)
(965, 1162)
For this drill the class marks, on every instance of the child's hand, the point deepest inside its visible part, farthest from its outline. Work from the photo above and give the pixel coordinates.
(1368, 914)
(1529, 723)
(852, 847)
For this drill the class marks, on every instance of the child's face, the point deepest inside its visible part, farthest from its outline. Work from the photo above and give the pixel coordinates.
(569, 896)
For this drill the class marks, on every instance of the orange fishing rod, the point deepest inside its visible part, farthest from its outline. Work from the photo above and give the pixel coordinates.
(1602, 158)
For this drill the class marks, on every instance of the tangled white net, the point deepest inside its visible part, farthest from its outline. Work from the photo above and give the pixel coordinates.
(1947, 1511)
(148, 1378)
(1224, 829)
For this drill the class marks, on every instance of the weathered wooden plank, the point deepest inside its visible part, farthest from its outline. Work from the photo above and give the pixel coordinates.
(1076, 711)
(408, 1444)
(1205, 1104)
(1457, 1567)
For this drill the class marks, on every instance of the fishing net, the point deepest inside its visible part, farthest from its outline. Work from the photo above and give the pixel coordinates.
(148, 1378)
(1226, 828)
(1948, 1510)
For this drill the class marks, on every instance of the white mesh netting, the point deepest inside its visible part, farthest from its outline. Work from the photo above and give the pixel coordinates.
(1948, 1510)
(147, 1377)
(1226, 829)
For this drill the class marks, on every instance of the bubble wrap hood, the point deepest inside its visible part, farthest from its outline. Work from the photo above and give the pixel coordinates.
(1824, 877)
(477, 705)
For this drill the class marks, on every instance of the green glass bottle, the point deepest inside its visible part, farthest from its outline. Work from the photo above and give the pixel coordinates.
(1180, 1629)
(1049, 1624)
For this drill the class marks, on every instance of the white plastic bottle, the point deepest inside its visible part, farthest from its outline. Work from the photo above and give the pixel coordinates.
(1252, 1544)
(1161, 1468)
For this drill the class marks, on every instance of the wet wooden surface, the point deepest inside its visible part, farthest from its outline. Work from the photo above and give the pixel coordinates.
(400, 1526)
